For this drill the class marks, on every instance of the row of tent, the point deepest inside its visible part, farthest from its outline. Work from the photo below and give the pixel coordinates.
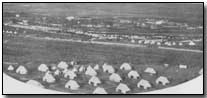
(62, 67)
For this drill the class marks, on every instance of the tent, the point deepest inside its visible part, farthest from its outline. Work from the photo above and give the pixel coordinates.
(94, 81)
(99, 90)
(181, 66)
(191, 43)
(108, 68)
(10, 68)
(143, 83)
(150, 70)
(21, 70)
(48, 77)
(90, 71)
(43, 68)
(123, 88)
(57, 72)
(71, 74)
(125, 66)
(62, 65)
(96, 67)
(166, 65)
(72, 84)
(81, 69)
(115, 77)
(133, 74)
(35, 83)
(163, 80)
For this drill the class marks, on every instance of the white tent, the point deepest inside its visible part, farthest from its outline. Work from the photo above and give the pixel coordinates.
(71, 74)
(166, 65)
(10, 68)
(96, 67)
(90, 71)
(125, 66)
(99, 90)
(21, 70)
(81, 69)
(62, 65)
(72, 84)
(108, 68)
(181, 66)
(54, 68)
(143, 83)
(133, 74)
(191, 43)
(35, 83)
(163, 80)
(150, 70)
(123, 88)
(180, 43)
(43, 68)
(57, 72)
(48, 77)
(115, 77)
(94, 81)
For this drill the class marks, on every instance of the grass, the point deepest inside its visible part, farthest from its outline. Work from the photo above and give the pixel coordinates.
(31, 53)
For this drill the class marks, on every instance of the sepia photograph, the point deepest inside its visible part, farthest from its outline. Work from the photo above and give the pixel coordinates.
(102, 48)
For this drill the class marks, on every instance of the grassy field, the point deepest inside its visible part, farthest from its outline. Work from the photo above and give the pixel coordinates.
(32, 53)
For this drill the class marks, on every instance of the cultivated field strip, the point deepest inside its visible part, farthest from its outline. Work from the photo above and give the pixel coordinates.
(111, 43)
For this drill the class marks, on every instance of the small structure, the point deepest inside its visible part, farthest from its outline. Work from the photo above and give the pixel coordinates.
(191, 43)
(96, 67)
(108, 68)
(180, 43)
(181, 66)
(21, 70)
(163, 80)
(57, 72)
(99, 90)
(90, 71)
(123, 88)
(10, 68)
(166, 65)
(144, 83)
(48, 77)
(54, 68)
(115, 77)
(71, 74)
(133, 74)
(62, 65)
(72, 84)
(34, 83)
(150, 70)
(81, 69)
(125, 66)
(43, 68)
(94, 81)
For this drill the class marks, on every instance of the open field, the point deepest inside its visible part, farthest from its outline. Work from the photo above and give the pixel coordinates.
(32, 53)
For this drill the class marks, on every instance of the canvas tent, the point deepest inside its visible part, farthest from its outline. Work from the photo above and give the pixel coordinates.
(163, 80)
(123, 88)
(150, 70)
(48, 77)
(62, 65)
(108, 68)
(125, 66)
(133, 74)
(71, 74)
(115, 77)
(72, 84)
(94, 81)
(90, 71)
(144, 83)
(43, 68)
(21, 70)
(99, 90)
(10, 68)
